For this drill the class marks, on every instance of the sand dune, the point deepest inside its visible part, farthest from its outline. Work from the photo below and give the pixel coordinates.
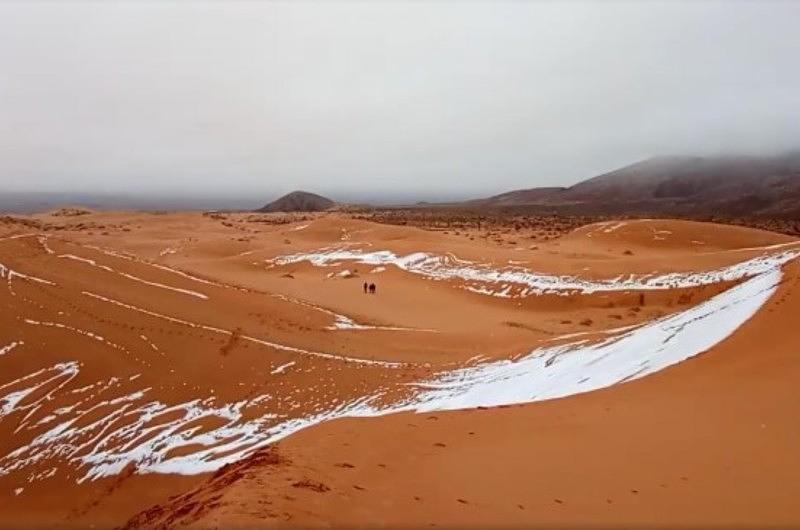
(228, 368)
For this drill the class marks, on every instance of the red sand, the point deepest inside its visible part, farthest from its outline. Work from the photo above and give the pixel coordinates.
(712, 441)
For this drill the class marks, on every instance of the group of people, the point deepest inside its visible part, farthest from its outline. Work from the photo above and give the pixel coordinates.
(369, 288)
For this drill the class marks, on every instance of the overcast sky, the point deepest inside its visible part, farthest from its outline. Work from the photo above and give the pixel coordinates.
(350, 99)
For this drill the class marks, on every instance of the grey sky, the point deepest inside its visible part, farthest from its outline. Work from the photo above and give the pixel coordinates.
(360, 98)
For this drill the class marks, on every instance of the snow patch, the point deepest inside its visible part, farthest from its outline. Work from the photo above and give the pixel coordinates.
(282, 368)
(6, 349)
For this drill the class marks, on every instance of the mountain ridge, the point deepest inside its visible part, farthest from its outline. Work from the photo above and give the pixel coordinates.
(728, 185)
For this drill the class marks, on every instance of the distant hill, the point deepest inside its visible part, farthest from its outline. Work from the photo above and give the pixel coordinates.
(731, 185)
(299, 201)
(513, 198)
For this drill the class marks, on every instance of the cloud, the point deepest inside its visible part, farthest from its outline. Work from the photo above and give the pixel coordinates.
(360, 98)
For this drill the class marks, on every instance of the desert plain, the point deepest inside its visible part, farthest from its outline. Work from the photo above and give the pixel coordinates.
(224, 370)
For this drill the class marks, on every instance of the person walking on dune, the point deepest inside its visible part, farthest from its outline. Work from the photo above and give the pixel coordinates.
(365, 287)
(372, 288)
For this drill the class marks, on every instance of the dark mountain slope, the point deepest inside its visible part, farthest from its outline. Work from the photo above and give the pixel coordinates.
(734, 185)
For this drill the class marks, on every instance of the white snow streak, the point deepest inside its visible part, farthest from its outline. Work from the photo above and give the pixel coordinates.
(93, 263)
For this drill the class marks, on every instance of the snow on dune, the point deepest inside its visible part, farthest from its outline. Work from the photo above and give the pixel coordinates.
(545, 373)
(11, 400)
(614, 227)
(343, 322)
(565, 370)
(6, 349)
(67, 327)
(270, 344)
(131, 257)
(282, 368)
(498, 282)
(106, 268)
(9, 274)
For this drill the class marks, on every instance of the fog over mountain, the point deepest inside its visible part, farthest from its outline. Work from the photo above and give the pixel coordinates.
(241, 102)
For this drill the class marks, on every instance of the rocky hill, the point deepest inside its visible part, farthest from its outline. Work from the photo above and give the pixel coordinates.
(299, 201)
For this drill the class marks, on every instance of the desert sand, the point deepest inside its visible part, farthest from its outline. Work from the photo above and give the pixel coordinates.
(223, 370)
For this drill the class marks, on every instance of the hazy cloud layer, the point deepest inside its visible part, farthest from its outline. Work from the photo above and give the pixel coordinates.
(357, 98)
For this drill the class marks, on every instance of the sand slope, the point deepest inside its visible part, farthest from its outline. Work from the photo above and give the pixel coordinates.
(708, 442)
(155, 360)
